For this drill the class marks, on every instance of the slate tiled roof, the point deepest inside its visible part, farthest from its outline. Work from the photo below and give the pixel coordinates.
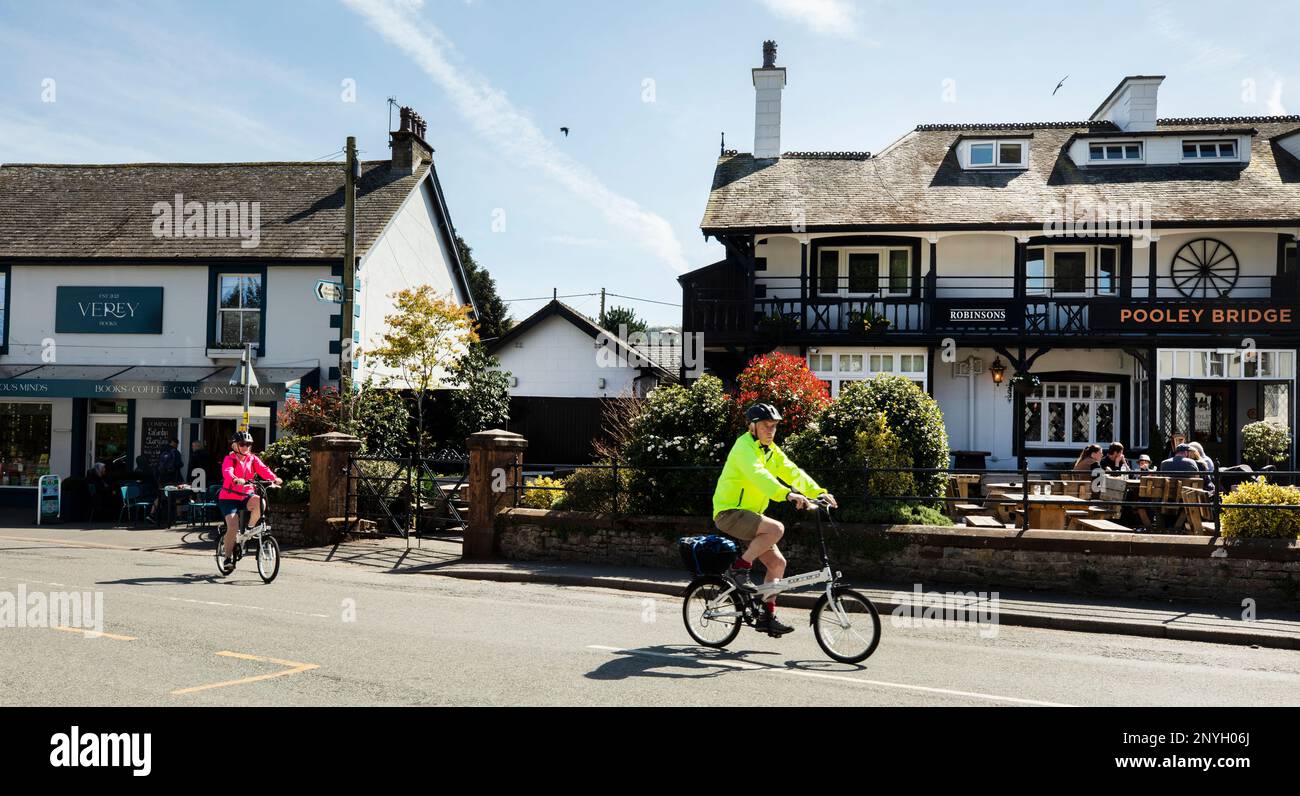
(917, 182)
(94, 211)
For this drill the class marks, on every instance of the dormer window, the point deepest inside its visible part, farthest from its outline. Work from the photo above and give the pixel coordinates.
(997, 155)
(1119, 152)
(1209, 150)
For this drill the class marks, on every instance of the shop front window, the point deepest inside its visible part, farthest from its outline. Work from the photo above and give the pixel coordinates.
(1075, 414)
(24, 443)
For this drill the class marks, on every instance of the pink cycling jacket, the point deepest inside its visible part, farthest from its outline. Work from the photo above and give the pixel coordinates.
(241, 467)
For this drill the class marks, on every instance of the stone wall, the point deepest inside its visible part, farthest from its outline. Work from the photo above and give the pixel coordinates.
(1196, 568)
(287, 524)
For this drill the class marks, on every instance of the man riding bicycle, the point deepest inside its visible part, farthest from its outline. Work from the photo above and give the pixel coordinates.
(756, 472)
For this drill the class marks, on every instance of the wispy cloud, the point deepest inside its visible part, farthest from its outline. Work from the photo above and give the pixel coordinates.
(574, 240)
(1275, 105)
(1203, 53)
(838, 18)
(510, 129)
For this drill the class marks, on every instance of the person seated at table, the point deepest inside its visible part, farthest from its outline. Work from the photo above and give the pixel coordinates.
(1114, 461)
(1181, 461)
(1144, 463)
(1088, 460)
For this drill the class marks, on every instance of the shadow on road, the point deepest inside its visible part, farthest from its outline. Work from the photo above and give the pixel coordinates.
(698, 663)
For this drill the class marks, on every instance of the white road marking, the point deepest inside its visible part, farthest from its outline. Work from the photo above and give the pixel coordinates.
(177, 599)
(838, 677)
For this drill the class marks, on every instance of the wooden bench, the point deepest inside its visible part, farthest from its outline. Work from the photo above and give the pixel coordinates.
(983, 521)
(1197, 508)
(1101, 525)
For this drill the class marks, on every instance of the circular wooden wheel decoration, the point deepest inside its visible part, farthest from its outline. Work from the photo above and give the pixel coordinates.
(1205, 267)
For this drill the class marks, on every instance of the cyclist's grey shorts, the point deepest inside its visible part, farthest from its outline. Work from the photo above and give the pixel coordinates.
(739, 523)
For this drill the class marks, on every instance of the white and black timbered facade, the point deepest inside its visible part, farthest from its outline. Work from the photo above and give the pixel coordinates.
(1144, 270)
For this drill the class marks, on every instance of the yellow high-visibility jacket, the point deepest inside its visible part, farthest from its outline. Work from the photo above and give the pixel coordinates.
(749, 478)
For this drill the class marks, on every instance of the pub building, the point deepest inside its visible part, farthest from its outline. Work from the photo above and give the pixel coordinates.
(1142, 269)
(120, 331)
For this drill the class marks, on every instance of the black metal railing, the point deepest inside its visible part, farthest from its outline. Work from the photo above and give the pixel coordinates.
(791, 306)
(406, 496)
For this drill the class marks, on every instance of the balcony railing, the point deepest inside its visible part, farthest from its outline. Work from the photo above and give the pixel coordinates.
(793, 308)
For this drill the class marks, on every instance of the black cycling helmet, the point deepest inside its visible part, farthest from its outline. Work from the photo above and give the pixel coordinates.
(759, 412)
(241, 436)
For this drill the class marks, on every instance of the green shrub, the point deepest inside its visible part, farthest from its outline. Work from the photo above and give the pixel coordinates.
(592, 489)
(542, 493)
(1270, 523)
(290, 458)
(910, 414)
(679, 427)
(1265, 443)
(296, 491)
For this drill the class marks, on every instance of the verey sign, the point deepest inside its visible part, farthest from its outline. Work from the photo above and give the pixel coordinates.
(108, 310)
(1192, 318)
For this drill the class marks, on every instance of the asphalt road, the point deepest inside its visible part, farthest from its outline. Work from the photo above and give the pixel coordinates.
(339, 634)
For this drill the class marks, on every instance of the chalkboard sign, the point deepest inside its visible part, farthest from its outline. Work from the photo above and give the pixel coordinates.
(155, 437)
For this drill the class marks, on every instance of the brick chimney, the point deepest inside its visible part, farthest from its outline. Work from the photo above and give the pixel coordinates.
(410, 150)
(769, 80)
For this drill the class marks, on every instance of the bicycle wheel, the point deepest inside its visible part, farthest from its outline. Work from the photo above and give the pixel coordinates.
(221, 554)
(711, 618)
(852, 638)
(268, 558)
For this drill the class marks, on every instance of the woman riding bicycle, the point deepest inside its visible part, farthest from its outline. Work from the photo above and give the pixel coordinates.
(237, 494)
(756, 472)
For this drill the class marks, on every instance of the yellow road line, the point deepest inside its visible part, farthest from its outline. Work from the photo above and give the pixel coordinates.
(94, 633)
(294, 668)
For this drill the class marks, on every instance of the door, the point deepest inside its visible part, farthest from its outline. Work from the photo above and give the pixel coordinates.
(1212, 413)
(108, 444)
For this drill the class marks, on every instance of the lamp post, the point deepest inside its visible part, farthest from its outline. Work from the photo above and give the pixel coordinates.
(244, 375)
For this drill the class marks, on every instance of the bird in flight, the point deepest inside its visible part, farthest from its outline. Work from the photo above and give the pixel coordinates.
(1058, 85)
(565, 130)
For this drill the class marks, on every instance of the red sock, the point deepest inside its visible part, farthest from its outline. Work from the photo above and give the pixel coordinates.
(741, 563)
(771, 607)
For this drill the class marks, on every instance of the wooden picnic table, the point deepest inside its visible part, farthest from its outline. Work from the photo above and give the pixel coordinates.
(1046, 512)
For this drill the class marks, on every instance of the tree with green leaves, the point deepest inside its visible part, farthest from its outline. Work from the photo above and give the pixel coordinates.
(426, 332)
(612, 318)
(482, 400)
(493, 314)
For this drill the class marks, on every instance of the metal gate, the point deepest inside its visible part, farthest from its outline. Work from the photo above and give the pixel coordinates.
(407, 496)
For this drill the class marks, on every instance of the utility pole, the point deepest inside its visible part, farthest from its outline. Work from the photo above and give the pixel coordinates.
(349, 277)
(602, 305)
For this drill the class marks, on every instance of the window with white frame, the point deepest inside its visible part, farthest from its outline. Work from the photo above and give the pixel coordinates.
(1072, 270)
(1115, 152)
(1209, 150)
(997, 154)
(839, 369)
(239, 309)
(1226, 363)
(1071, 413)
(864, 271)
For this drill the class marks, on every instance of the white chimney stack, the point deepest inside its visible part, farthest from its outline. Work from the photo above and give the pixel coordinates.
(768, 84)
(1132, 105)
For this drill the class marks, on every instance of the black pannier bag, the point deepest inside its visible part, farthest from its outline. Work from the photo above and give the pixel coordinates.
(707, 555)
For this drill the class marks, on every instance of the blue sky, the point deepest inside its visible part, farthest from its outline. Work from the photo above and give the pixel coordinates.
(617, 203)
